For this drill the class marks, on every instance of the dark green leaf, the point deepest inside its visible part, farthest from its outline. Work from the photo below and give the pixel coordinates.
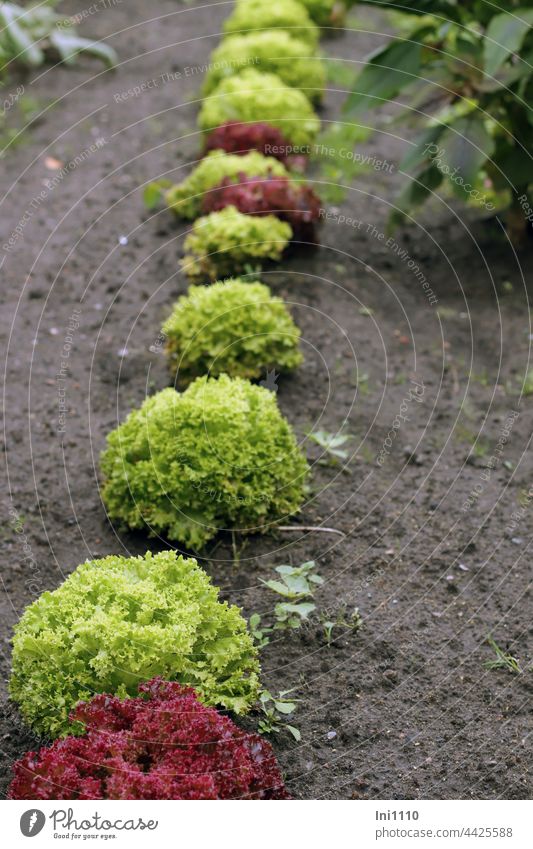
(386, 74)
(418, 155)
(504, 36)
(446, 8)
(517, 166)
(415, 193)
(464, 146)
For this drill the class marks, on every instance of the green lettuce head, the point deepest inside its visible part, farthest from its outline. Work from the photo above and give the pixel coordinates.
(274, 51)
(117, 622)
(252, 96)
(218, 456)
(290, 15)
(325, 12)
(227, 242)
(185, 199)
(232, 327)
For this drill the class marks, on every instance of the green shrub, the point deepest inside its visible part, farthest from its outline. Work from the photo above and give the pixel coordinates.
(115, 623)
(250, 15)
(218, 456)
(185, 199)
(465, 77)
(227, 242)
(274, 51)
(254, 96)
(232, 327)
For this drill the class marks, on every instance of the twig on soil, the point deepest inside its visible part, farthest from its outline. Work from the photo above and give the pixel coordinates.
(320, 528)
(455, 378)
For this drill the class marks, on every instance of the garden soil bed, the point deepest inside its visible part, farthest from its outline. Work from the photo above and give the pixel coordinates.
(405, 707)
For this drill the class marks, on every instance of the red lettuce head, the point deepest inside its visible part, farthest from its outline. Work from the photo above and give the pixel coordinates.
(235, 137)
(297, 204)
(163, 744)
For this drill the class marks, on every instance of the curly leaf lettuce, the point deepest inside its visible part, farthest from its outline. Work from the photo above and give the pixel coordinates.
(117, 622)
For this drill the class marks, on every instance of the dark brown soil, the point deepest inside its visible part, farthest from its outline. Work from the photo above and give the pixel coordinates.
(406, 707)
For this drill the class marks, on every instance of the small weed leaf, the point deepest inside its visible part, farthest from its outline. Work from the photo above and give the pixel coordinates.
(503, 659)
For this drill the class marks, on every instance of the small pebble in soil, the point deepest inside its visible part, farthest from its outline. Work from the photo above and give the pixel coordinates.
(123, 240)
(331, 735)
(517, 540)
(462, 567)
(54, 331)
(123, 352)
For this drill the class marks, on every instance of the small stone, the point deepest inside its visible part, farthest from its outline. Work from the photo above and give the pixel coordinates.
(517, 540)
(52, 163)
(123, 352)
(331, 735)
(462, 567)
(123, 240)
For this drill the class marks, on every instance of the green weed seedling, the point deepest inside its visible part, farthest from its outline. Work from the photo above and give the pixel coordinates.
(527, 388)
(362, 384)
(503, 659)
(153, 192)
(274, 709)
(259, 632)
(341, 73)
(289, 615)
(332, 444)
(342, 621)
(296, 584)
